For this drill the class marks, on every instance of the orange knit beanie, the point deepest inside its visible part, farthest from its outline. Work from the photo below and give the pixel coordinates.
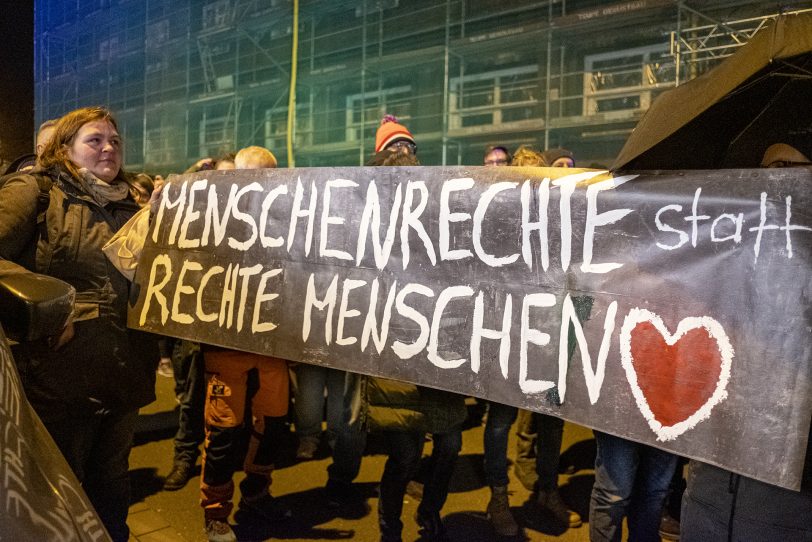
(390, 131)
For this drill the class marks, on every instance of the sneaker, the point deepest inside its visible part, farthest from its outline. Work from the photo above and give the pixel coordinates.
(266, 507)
(219, 531)
(499, 513)
(552, 502)
(432, 528)
(165, 368)
(308, 446)
(178, 476)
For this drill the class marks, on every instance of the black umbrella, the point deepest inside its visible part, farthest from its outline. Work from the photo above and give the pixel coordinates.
(728, 116)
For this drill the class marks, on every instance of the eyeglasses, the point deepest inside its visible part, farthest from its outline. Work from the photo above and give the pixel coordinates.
(402, 145)
(497, 162)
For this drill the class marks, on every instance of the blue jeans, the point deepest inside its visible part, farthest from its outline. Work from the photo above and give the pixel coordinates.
(190, 385)
(311, 381)
(497, 429)
(347, 442)
(97, 448)
(721, 505)
(405, 451)
(631, 480)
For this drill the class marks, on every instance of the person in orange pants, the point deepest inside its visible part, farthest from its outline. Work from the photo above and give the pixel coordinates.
(226, 394)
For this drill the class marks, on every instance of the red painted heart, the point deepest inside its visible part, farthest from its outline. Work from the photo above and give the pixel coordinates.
(676, 379)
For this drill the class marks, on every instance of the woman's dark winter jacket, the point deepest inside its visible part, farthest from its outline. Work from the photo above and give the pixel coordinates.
(389, 405)
(105, 365)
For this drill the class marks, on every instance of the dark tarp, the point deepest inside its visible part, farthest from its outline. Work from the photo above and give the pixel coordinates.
(728, 116)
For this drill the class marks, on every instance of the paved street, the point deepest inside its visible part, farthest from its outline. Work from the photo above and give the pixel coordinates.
(157, 515)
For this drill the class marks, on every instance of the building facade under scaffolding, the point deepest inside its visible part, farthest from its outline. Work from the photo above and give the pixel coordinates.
(193, 78)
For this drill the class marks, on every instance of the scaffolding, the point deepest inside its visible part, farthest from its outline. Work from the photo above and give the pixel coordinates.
(213, 76)
(700, 46)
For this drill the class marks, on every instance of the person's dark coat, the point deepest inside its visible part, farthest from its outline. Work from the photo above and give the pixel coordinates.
(389, 405)
(105, 366)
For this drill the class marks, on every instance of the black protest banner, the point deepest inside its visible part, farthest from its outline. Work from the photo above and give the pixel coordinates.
(667, 308)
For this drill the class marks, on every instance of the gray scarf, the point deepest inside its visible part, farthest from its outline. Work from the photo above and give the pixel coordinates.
(103, 192)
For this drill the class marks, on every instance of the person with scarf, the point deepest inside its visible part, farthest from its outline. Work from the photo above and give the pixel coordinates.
(87, 382)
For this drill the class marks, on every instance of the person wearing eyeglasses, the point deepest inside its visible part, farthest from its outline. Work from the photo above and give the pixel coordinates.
(497, 424)
(496, 155)
(392, 136)
(403, 413)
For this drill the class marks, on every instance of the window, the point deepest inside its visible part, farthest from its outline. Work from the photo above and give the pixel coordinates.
(276, 128)
(157, 34)
(624, 80)
(494, 97)
(364, 111)
(108, 49)
(216, 14)
(216, 136)
(157, 146)
(61, 58)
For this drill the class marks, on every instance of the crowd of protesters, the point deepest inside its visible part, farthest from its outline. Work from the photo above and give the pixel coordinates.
(88, 382)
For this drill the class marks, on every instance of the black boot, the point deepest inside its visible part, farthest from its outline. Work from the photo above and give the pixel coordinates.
(179, 475)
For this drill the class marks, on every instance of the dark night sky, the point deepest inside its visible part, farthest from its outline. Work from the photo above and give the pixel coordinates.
(17, 79)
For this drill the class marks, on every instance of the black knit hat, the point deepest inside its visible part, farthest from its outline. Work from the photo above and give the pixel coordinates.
(551, 155)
